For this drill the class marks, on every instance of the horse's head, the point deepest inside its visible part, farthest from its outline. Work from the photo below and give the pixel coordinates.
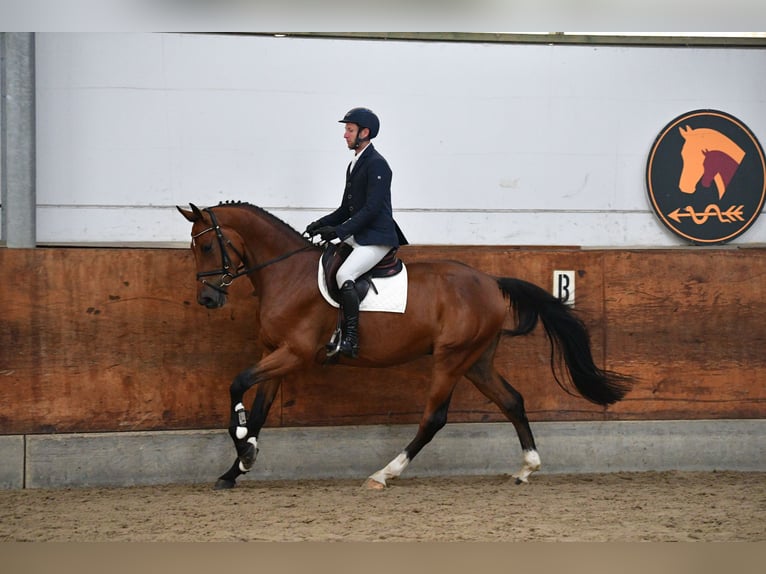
(706, 153)
(218, 257)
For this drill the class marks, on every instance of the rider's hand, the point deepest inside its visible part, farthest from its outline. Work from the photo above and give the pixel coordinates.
(327, 232)
(313, 227)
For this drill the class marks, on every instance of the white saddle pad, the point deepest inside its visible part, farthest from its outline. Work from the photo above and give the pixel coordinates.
(391, 296)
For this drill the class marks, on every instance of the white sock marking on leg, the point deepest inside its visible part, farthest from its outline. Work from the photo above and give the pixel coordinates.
(392, 469)
(531, 464)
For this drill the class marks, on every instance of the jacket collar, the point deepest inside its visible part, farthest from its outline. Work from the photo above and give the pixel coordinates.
(366, 152)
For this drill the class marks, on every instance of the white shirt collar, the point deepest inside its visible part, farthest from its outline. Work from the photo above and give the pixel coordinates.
(357, 156)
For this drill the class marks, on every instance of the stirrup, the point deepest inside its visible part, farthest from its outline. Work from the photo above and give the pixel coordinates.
(333, 347)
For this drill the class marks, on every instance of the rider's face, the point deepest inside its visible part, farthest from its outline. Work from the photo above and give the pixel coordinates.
(350, 135)
(352, 130)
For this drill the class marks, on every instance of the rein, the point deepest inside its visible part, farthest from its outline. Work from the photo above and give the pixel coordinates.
(227, 276)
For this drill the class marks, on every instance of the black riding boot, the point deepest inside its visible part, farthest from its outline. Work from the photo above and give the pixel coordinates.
(349, 346)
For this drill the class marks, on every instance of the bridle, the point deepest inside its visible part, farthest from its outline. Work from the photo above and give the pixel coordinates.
(227, 272)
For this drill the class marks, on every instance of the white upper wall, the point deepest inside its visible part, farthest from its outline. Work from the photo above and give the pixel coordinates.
(504, 144)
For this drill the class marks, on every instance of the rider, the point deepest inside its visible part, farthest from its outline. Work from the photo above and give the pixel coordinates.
(364, 219)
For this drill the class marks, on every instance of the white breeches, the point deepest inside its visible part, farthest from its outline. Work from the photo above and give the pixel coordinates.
(362, 259)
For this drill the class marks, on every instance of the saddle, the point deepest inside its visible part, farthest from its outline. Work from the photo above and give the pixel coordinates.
(335, 254)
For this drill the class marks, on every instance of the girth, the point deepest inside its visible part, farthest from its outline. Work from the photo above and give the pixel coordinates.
(335, 254)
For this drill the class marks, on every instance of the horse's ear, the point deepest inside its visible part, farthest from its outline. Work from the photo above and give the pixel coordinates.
(194, 215)
(684, 133)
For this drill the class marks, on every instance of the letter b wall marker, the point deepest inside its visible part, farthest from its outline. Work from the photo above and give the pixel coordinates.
(564, 286)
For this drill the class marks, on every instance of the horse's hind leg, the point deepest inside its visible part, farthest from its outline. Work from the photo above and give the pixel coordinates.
(434, 418)
(484, 376)
(449, 367)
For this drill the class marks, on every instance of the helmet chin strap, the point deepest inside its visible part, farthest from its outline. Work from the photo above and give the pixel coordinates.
(358, 141)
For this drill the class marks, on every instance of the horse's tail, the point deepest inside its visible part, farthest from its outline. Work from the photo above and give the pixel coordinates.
(569, 340)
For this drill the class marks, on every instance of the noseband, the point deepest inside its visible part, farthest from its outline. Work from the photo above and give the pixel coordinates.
(227, 273)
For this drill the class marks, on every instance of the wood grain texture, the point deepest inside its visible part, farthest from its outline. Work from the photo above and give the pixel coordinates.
(100, 339)
(111, 339)
(693, 325)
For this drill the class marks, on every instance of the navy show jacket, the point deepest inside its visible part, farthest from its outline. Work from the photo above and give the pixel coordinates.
(365, 211)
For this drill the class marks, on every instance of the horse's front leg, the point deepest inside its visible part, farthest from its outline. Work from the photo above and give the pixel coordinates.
(247, 428)
(243, 428)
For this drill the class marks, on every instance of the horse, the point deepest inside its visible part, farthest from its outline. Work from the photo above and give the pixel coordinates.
(708, 156)
(454, 313)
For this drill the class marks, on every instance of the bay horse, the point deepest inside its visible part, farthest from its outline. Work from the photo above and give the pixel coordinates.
(454, 313)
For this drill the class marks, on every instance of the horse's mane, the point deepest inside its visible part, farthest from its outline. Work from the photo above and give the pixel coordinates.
(270, 216)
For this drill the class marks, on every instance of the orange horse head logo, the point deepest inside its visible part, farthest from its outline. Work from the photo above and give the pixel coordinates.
(709, 156)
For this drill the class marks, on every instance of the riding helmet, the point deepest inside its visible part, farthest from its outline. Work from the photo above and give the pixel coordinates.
(364, 118)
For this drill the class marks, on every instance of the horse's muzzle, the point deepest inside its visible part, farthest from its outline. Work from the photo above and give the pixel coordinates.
(211, 298)
(211, 303)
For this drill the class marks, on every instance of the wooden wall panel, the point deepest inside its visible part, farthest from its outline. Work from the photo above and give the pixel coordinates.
(112, 339)
(693, 325)
(96, 339)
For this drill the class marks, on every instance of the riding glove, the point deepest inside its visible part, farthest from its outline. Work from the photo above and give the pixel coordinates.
(313, 227)
(327, 232)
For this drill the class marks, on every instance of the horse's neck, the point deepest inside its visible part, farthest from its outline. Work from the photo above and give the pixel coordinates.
(278, 254)
(266, 239)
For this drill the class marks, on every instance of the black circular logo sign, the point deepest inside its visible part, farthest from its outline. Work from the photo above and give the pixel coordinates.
(706, 177)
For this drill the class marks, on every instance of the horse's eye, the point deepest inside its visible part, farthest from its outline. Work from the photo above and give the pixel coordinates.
(207, 248)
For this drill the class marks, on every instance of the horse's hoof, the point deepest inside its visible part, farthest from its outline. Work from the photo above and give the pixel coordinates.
(519, 481)
(372, 484)
(224, 484)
